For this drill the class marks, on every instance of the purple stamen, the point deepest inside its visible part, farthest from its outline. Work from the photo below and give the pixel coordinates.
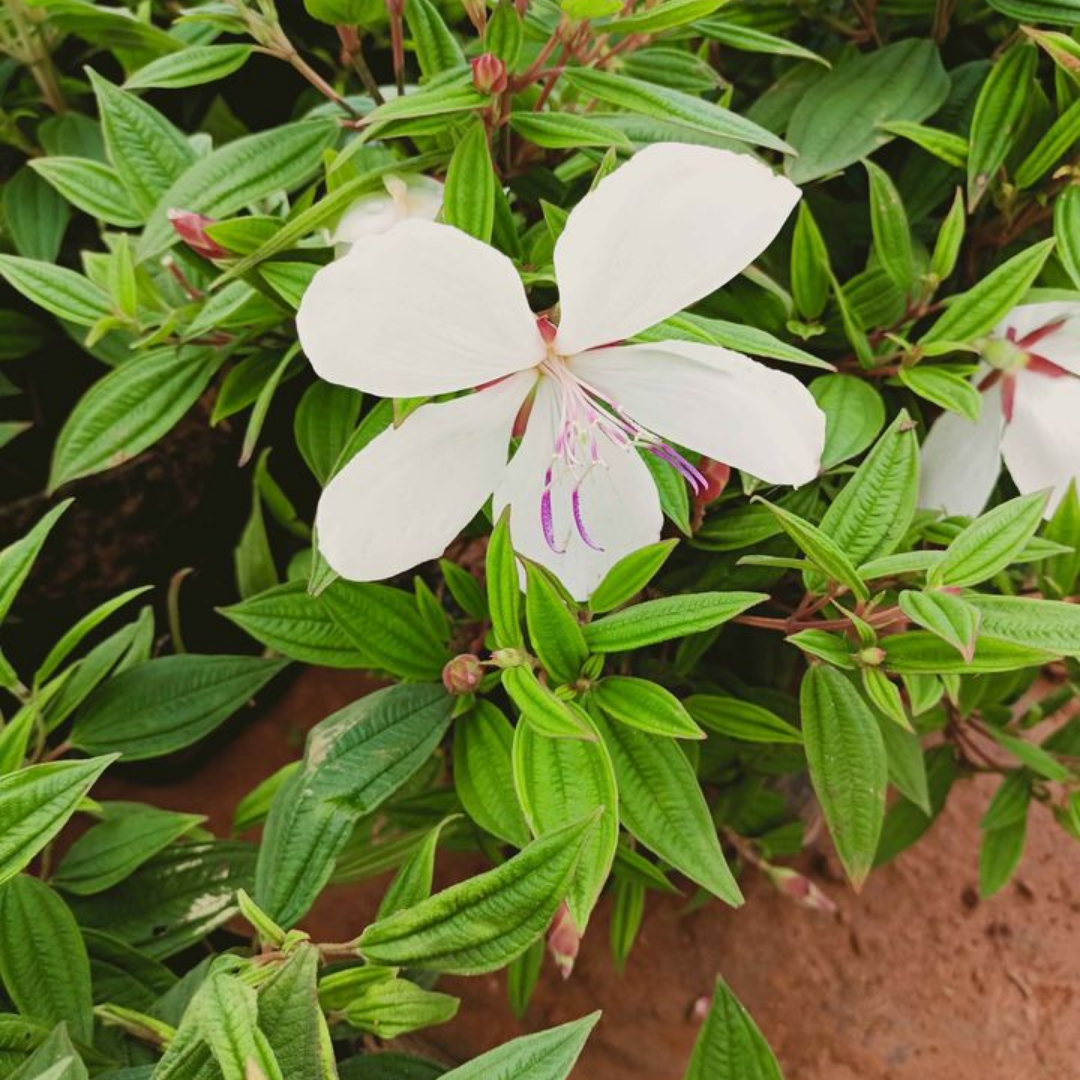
(673, 458)
(547, 522)
(582, 532)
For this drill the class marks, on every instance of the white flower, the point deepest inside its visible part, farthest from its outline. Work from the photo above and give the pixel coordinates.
(1029, 417)
(405, 197)
(426, 310)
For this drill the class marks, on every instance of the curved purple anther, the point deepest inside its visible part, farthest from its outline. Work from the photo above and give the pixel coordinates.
(582, 532)
(547, 522)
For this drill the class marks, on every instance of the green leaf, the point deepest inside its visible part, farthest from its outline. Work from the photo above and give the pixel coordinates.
(949, 389)
(1062, 570)
(990, 543)
(907, 767)
(168, 703)
(483, 923)
(238, 173)
(324, 420)
(977, 311)
(554, 631)
(746, 339)
(629, 576)
(875, 508)
(1038, 760)
(62, 292)
(559, 782)
(412, 883)
(18, 558)
(1010, 802)
(566, 131)
(729, 1045)
(664, 16)
(469, 195)
(905, 822)
(1062, 134)
(999, 856)
(503, 588)
(55, 1058)
(36, 802)
(662, 103)
(353, 761)
(146, 150)
(821, 549)
(671, 617)
(390, 1008)
(645, 705)
(889, 223)
(290, 620)
(944, 145)
(741, 719)
(128, 410)
(547, 1055)
(747, 39)
(383, 623)
(43, 964)
(921, 653)
(194, 66)
(229, 1021)
(505, 33)
(809, 267)
(484, 773)
(949, 617)
(949, 240)
(998, 119)
(290, 1017)
(661, 803)
(1048, 625)
(848, 766)
(91, 187)
(35, 216)
(540, 707)
(435, 46)
(1067, 231)
(854, 414)
(174, 900)
(840, 119)
(129, 835)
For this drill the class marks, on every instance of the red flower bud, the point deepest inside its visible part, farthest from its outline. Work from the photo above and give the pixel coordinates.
(191, 228)
(564, 941)
(801, 889)
(462, 675)
(489, 74)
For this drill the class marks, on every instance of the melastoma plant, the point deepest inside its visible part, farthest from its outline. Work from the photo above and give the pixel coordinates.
(673, 403)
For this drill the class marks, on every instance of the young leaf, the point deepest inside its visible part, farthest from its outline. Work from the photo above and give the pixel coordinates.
(949, 240)
(629, 576)
(17, 559)
(566, 131)
(469, 196)
(554, 631)
(741, 719)
(193, 66)
(413, 881)
(889, 223)
(854, 414)
(483, 923)
(949, 617)
(503, 587)
(848, 766)
(809, 265)
(550, 715)
(645, 705)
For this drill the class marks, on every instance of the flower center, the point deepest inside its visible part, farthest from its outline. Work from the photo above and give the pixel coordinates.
(588, 424)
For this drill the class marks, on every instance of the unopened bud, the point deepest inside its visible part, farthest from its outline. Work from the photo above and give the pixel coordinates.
(717, 475)
(462, 675)
(564, 941)
(191, 228)
(872, 656)
(508, 658)
(800, 888)
(489, 74)
(477, 13)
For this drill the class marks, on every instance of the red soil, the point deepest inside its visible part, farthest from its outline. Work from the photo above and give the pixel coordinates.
(913, 980)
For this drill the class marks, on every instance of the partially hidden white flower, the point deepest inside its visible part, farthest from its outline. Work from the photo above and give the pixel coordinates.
(405, 197)
(1030, 416)
(426, 309)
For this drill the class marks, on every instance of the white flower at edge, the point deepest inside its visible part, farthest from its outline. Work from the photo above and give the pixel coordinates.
(405, 197)
(426, 309)
(1030, 416)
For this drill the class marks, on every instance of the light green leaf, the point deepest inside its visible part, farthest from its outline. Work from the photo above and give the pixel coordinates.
(194, 66)
(729, 1045)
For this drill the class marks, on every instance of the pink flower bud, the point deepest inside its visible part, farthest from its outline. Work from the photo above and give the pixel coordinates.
(191, 228)
(872, 656)
(462, 675)
(700, 1009)
(564, 941)
(801, 889)
(489, 74)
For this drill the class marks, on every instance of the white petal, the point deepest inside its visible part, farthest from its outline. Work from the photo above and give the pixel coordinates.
(422, 309)
(715, 401)
(1042, 441)
(961, 460)
(620, 508)
(407, 494)
(672, 225)
(405, 197)
(1060, 346)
